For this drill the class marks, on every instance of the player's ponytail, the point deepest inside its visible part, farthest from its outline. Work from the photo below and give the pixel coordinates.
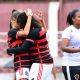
(15, 15)
(70, 16)
(14, 10)
(10, 19)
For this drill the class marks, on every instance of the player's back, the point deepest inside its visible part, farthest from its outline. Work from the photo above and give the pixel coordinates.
(39, 51)
(20, 60)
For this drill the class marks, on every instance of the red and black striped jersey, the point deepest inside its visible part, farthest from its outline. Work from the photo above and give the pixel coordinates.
(20, 60)
(39, 50)
(37, 44)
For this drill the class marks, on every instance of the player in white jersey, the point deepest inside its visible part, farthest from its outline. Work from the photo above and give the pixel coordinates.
(71, 47)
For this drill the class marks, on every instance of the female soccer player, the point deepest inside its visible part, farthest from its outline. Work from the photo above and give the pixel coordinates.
(39, 51)
(71, 47)
(40, 17)
(22, 62)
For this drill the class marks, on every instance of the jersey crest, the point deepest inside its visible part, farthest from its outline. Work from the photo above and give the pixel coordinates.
(77, 76)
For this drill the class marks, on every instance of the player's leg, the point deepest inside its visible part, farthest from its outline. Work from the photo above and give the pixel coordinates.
(71, 72)
(22, 74)
(54, 72)
(64, 70)
(75, 72)
(14, 76)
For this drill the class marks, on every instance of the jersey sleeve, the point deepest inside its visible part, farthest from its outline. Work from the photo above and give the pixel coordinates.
(13, 33)
(66, 33)
(33, 35)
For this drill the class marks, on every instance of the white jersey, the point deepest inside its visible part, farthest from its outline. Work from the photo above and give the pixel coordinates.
(72, 59)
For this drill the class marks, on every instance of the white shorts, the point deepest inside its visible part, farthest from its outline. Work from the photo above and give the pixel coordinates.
(22, 73)
(40, 71)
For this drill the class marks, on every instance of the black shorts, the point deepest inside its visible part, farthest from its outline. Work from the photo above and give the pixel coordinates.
(71, 72)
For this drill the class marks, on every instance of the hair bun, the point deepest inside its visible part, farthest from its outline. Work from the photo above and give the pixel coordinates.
(14, 10)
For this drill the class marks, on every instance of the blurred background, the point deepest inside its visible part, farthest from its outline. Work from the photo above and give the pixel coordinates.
(55, 13)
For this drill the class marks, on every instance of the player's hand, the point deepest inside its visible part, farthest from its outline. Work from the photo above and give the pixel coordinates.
(9, 45)
(40, 15)
(29, 12)
(9, 54)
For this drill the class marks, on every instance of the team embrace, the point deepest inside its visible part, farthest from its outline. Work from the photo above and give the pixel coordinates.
(27, 37)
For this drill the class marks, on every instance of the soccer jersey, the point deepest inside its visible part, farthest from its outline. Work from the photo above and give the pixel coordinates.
(20, 60)
(71, 59)
(39, 51)
(37, 44)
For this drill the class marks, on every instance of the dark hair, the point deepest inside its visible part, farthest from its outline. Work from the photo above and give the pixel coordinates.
(14, 10)
(22, 19)
(14, 14)
(70, 16)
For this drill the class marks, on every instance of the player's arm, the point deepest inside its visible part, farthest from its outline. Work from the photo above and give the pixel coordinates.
(40, 17)
(65, 47)
(26, 30)
(9, 47)
(44, 25)
(33, 35)
(66, 36)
